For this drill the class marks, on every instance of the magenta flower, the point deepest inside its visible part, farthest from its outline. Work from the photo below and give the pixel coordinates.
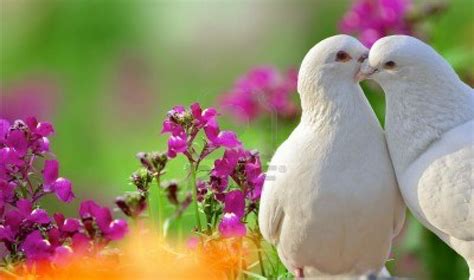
(218, 184)
(373, 19)
(231, 226)
(36, 96)
(201, 190)
(4, 128)
(225, 166)
(112, 229)
(6, 234)
(36, 247)
(244, 167)
(61, 186)
(62, 255)
(235, 203)
(184, 125)
(177, 144)
(26, 230)
(262, 89)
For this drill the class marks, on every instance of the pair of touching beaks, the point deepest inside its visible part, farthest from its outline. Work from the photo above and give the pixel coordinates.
(365, 70)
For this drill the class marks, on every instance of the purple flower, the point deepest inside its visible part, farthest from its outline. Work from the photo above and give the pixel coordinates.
(71, 225)
(184, 125)
(201, 190)
(16, 139)
(36, 247)
(39, 216)
(245, 169)
(6, 233)
(202, 117)
(177, 144)
(226, 139)
(112, 229)
(373, 19)
(262, 89)
(218, 184)
(61, 186)
(62, 255)
(34, 96)
(7, 191)
(226, 165)
(235, 203)
(4, 128)
(231, 226)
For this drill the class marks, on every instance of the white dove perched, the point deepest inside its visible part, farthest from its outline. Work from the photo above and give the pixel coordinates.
(430, 134)
(335, 207)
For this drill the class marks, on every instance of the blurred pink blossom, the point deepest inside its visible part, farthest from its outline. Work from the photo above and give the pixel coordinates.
(370, 20)
(32, 97)
(262, 90)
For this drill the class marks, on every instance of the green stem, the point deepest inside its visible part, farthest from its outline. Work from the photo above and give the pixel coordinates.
(155, 207)
(258, 243)
(196, 205)
(159, 203)
(260, 259)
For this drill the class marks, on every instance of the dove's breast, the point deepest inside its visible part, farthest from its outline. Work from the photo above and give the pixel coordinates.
(338, 195)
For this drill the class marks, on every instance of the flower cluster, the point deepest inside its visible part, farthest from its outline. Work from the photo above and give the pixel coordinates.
(373, 19)
(184, 125)
(232, 188)
(262, 89)
(28, 231)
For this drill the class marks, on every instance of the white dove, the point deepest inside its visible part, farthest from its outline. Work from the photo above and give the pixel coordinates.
(430, 133)
(333, 207)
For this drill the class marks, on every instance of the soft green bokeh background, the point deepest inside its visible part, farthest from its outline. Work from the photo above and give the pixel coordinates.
(120, 65)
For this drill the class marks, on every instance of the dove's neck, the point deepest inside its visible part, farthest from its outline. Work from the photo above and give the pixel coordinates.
(418, 114)
(330, 104)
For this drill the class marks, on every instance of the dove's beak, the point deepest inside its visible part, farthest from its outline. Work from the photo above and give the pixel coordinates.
(365, 72)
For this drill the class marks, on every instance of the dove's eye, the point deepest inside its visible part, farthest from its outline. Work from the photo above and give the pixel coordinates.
(389, 65)
(343, 56)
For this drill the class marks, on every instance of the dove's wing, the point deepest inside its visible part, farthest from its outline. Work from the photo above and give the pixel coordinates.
(277, 181)
(441, 183)
(271, 212)
(400, 213)
(446, 193)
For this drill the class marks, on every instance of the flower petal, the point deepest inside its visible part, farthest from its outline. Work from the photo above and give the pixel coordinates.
(44, 129)
(63, 189)
(39, 216)
(235, 203)
(50, 171)
(231, 226)
(117, 229)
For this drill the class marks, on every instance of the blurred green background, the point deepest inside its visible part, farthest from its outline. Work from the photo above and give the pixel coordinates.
(106, 72)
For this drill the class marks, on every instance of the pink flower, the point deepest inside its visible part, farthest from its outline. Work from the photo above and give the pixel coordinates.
(235, 203)
(231, 226)
(61, 186)
(36, 96)
(112, 229)
(177, 144)
(184, 125)
(262, 89)
(192, 243)
(373, 19)
(36, 247)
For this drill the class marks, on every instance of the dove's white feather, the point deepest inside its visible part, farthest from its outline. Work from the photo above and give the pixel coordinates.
(331, 204)
(430, 134)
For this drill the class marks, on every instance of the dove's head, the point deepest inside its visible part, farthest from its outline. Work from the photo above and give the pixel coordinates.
(401, 60)
(334, 60)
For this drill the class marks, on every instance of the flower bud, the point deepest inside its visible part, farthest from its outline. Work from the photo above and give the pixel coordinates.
(159, 161)
(172, 192)
(145, 161)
